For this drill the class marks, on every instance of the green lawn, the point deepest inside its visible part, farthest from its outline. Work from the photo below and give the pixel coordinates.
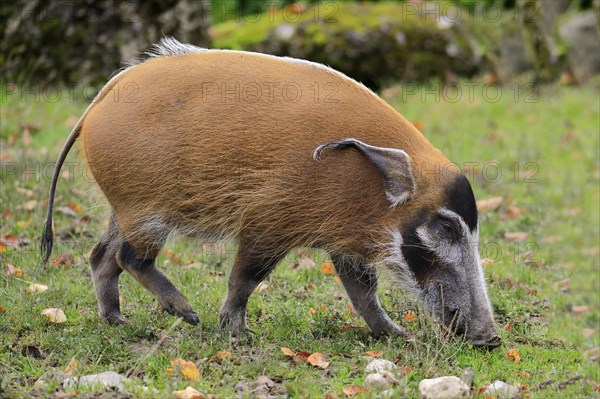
(541, 154)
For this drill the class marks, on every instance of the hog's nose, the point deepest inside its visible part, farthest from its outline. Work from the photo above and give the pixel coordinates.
(488, 343)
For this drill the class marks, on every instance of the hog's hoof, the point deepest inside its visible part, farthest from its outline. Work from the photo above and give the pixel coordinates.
(189, 316)
(114, 319)
(235, 322)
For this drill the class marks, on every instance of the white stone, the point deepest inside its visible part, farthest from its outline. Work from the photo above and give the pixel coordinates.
(379, 381)
(377, 365)
(107, 379)
(450, 387)
(501, 389)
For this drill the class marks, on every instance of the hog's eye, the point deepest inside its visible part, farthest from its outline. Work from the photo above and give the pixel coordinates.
(447, 228)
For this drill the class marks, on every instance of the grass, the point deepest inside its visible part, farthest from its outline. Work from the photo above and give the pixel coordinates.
(547, 149)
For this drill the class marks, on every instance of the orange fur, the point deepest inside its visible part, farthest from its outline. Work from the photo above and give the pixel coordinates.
(176, 155)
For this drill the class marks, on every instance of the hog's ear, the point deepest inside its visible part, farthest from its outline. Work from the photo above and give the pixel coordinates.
(393, 166)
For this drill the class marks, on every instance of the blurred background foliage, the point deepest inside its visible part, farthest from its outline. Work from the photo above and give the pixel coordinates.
(376, 42)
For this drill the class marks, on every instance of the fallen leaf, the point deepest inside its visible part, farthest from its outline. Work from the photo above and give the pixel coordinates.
(513, 355)
(523, 374)
(188, 393)
(328, 268)
(375, 354)
(330, 395)
(11, 270)
(313, 311)
(304, 263)
(349, 327)
(75, 207)
(288, 352)
(486, 262)
(263, 288)
(63, 259)
(28, 206)
(54, 315)
(65, 210)
(338, 280)
(10, 240)
(24, 191)
(514, 212)
(23, 223)
(318, 359)
(219, 356)
(515, 236)
(406, 369)
(184, 368)
(410, 316)
(351, 310)
(301, 356)
(173, 256)
(579, 310)
(489, 204)
(72, 366)
(352, 390)
(2, 309)
(419, 125)
(37, 288)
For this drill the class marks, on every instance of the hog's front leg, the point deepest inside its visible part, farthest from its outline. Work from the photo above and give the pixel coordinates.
(251, 266)
(360, 282)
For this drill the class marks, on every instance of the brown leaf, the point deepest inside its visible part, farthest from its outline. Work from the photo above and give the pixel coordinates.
(75, 207)
(318, 359)
(173, 256)
(410, 316)
(288, 352)
(374, 354)
(63, 260)
(188, 393)
(513, 355)
(579, 310)
(419, 125)
(72, 366)
(2, 309)
(352, 390)
(24, 191)
(515, 236)
(349, 327)
(54, 315)
(11, 270)
(220, 356)
(263, 288)
(489, 204)
(320, 309)
(514, 212)
(301, 356)
(486, 262)
(184, 368)
(37, 288)
(328, 268)
(28, 206)
(10, 240)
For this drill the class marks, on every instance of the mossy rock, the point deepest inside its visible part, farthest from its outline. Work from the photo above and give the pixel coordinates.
(371, 42)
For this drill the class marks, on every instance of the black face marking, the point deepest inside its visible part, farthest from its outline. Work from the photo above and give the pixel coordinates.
(459, 198)
(419, 258)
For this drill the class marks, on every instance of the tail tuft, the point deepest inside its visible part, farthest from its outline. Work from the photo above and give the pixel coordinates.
(47, 241)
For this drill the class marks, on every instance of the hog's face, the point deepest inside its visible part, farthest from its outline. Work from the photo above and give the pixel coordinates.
(440, 247)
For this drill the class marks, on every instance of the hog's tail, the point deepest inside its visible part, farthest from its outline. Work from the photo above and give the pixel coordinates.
(48, 234)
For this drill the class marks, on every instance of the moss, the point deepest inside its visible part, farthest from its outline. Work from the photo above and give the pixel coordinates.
(371, 42)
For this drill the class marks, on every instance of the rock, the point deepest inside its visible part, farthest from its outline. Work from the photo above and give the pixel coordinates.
(378, 365)
(580, 33)
(107, 379)
(50, 375)
(262, 384)
(380, 381)
(501, 389)
(450, 387)
(467, 376)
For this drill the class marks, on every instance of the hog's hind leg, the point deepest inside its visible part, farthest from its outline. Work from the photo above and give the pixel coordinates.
(141, 264)
(360, 282)
(251, 266)
(105, 274)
